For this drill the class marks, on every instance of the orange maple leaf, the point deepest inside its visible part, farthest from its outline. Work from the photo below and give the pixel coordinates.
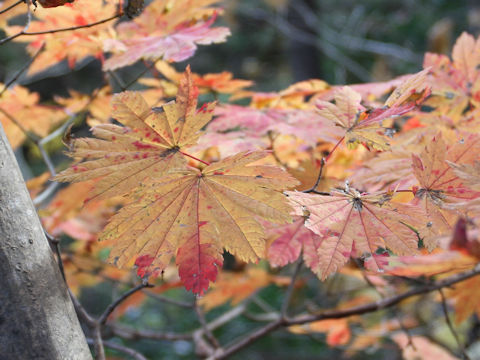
(20, 111)
(70, 45)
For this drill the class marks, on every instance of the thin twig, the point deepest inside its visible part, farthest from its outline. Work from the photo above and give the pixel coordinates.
(168, 300)
(134, 334)
(291, 288)
(72, 28)
(117, 78)
(81, 312)
(11, 6)
(228, 316)
(235, 346)
(143, 72)
(120, 348)
(25, 28)
(313, 189)
(319, 177)
(45, 194)
(33, 137)
(103, 318)
(382, 295)
(22, 70)
(450, 325)
(208, 333)
(46, 158)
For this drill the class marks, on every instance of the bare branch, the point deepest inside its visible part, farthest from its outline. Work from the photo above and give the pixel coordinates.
(168, 300)
(123, 349)
(25, 28)
(385, 303)
(22, 70)
(103, 318)
(450, 325)
(291, 288)
(11, 7)
(98, 343)
(319, 177)
(134, 334)
(208, 333)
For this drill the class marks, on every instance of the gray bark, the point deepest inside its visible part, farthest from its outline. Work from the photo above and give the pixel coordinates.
(37, 318)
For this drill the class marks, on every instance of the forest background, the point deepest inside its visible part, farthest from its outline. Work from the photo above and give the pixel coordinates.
(274, 44)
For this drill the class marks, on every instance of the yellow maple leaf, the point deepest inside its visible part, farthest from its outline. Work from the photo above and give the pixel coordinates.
(188, 213)
(148, 145)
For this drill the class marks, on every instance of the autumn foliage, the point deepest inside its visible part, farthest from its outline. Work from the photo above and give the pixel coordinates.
(364, 183)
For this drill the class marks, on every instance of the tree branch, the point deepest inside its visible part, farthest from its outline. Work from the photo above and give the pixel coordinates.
(103, 318)
(223, 353)
(450, 325)
(11, 7)
(23, 69)
(25, 28)
(123, 349)
(72, 28)
(291, 288)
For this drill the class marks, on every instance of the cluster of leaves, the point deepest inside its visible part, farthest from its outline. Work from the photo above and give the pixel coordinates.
(314, 173)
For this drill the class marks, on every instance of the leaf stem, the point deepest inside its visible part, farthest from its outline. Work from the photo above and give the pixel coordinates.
(313, 189)
(194, 158)
(334, 148)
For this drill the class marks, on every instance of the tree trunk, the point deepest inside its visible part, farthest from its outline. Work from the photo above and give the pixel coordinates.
(37, 318)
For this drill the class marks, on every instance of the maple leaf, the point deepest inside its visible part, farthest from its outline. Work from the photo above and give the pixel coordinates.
(288, 241)
(20, 109)
(236, 287)
(98, 113)
(194, 214)
(466, 296)
(148, 145)
(362, 126)
(223, 82)
(164, 30)
(440, 185)
(234, 123)
(456, 80)
(72, 45)
(293, 97)
(468, 172)
(355, 224)
(337, 330)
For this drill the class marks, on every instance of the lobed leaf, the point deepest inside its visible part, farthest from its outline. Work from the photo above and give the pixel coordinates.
(188, 213)
(355, 224)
